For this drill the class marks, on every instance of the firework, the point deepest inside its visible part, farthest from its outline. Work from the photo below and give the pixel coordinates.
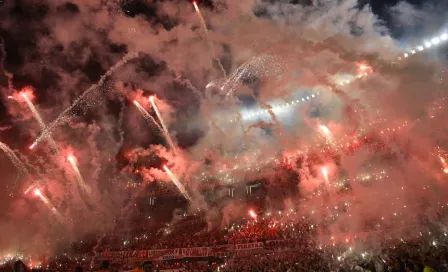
(15, 161)
(151, 121)
(177, 182)
(79, 178)
(66, 115)
(40, 121)
(252, 214)
(47, 203)
(165, 130)
(210, 44)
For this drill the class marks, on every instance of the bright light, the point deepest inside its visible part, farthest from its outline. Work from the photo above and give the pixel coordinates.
(420, 48)
(37, 192)
(325, 130)
(428, 44)
(195, 6)
(151, 98)
(435, 41)
(136, 103)
(71, 158)
(406, 55)
(252, 214)
(444, 37)
(32, 146)
(445, 170)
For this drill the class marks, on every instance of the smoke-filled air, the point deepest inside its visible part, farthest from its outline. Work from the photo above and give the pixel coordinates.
(122, 119)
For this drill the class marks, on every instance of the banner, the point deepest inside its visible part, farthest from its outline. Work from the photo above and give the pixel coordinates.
(178, 253)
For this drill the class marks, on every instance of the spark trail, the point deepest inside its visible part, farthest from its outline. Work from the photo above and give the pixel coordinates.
(165, 130)
(177, 183)
(151, 121)
(66, 115)
(16, 162)
(210, 44)
(50, 206)
(79, 177)
(39, 120)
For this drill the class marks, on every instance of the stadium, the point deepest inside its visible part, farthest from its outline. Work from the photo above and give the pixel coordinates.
(223, 135)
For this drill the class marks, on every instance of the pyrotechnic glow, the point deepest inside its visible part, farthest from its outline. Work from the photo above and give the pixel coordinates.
(252, 214)
(165, 130)
(37, 192)
(39, 120)
(176, 182)
(325, 175)
(79, 178)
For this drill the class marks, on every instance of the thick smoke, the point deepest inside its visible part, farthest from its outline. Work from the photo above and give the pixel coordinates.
(272, 53)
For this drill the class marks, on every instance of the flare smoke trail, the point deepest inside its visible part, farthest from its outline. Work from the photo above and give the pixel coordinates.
(79, 177)
(177, 183)
(50, 206)
(210, 44)
(151, 121)
(39, 120)
(65, 115)
(165, 130)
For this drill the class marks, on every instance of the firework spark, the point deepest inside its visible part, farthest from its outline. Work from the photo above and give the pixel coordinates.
(40, 121)
(176, 182)
(151, 121)
(165, 130)
(79, 178)
(47, 203)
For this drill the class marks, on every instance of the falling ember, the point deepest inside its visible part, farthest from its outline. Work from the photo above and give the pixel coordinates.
(165, 130)
(47, 203)
(176, 182)
(253, 214)
(79, 177)
(39, 121)
(151, 121)
(32, 146)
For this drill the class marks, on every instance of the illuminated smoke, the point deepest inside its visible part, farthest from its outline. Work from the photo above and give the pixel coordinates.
(151, 121)
(40, 121)
(176, 182)
(165, 130)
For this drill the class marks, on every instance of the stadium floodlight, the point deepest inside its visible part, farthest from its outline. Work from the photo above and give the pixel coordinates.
(435, 41)
(413, 52)
(406, 55)
(444, 37)
(428, 44)
(420, 48)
